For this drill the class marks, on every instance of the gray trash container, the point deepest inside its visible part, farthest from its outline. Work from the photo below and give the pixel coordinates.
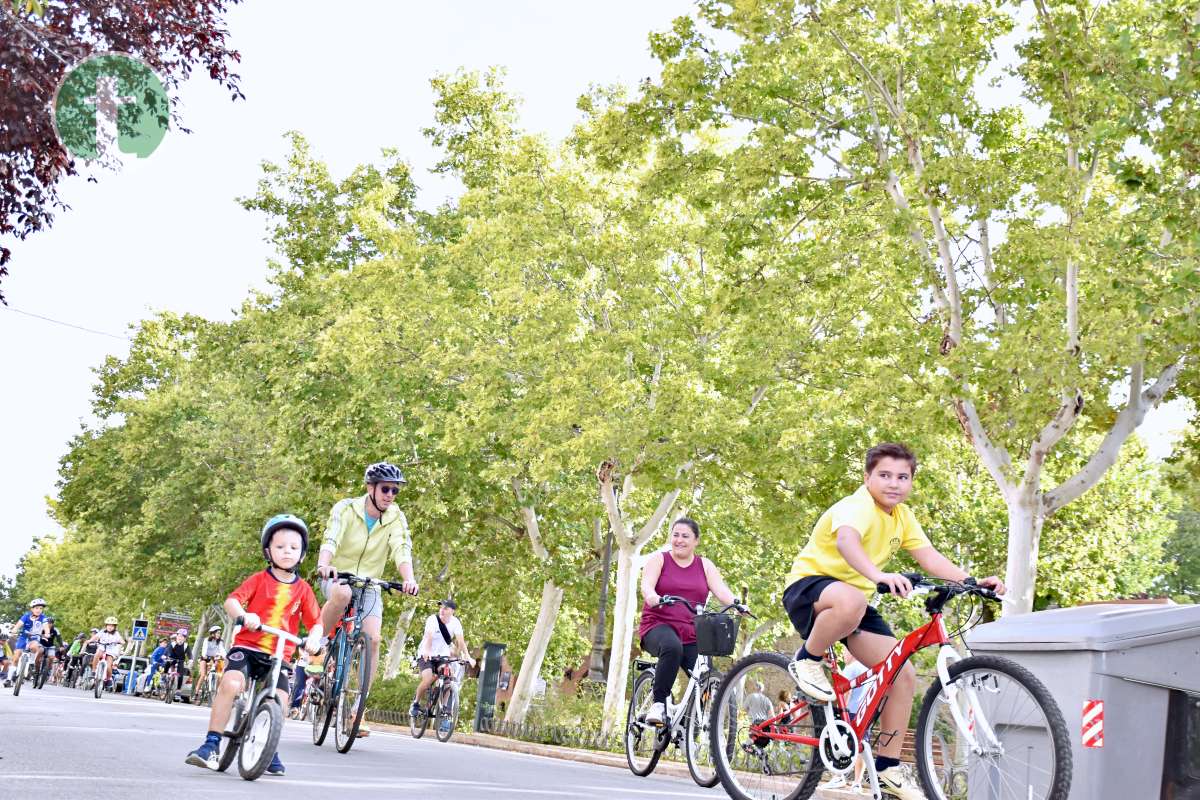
(1143, 663)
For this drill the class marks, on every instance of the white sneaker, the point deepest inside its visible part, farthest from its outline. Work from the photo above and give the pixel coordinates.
(811, 679)
(897, 782)
(836, 782)
(656, 714)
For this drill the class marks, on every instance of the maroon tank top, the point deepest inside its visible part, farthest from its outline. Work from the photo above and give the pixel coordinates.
(688, 582)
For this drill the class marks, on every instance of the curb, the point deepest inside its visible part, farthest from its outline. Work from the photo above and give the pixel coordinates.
(545, 750)
(670, 768)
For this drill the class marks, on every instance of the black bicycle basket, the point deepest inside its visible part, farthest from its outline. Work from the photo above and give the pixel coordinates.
(716, 634)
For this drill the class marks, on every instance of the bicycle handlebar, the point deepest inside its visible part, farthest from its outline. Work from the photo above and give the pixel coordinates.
(350, 579)
(281, 634)
(952, 588)
(670, 599)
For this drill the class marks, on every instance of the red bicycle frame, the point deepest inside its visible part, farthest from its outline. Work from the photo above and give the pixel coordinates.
(882, 675)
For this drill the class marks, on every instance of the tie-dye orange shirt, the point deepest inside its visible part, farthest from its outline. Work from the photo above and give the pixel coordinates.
(280, 605)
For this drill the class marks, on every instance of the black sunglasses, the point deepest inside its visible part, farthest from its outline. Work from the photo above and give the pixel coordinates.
(390, 489)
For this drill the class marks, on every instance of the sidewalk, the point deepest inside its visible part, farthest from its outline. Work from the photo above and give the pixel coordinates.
(674, 769)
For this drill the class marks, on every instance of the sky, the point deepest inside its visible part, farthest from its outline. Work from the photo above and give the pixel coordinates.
(166, 233)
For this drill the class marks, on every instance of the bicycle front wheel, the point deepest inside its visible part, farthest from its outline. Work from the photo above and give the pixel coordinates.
(447, 716)
(699, 755)
(1026, 751)
(757, 767)
(641, 740)
(417, 724)
(20, 677)
(261, 739)
(352, 702)
(101, 675)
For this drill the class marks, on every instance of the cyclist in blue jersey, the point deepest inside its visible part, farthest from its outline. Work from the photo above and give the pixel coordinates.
(29, 628)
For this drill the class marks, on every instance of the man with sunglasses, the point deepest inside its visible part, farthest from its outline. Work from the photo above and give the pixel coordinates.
(362, 533)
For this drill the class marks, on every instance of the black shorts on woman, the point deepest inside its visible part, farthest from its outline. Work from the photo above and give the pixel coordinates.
(800, 597)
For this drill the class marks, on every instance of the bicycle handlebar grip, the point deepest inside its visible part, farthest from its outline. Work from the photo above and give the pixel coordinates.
(915, 578)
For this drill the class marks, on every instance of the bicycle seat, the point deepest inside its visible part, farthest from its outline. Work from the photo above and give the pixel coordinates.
(641, 664)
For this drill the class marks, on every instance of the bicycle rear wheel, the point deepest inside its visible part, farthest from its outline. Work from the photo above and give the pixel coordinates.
(231, 742)
(447, 716)
(261, 739)
(352, 702)
(756, 767)
(642, 747)
(1030, 757)
(699, 756)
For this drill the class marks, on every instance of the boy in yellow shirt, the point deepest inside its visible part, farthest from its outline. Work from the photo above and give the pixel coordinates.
(835, 576)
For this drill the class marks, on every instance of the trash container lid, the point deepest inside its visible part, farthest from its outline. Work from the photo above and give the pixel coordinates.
(1099, 627)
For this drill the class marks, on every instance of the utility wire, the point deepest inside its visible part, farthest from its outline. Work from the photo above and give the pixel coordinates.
(69, 324)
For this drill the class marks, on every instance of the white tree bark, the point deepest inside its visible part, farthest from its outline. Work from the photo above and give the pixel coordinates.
(543, 629)
(629, 565)
(397, 646)
(1025, 520)
(535, 652)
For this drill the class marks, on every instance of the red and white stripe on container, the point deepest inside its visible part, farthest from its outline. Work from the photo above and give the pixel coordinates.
(1093, 723)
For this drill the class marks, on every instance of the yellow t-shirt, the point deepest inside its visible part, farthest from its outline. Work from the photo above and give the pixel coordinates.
(882, 535)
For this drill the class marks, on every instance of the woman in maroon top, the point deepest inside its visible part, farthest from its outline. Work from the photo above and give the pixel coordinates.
(669, 632)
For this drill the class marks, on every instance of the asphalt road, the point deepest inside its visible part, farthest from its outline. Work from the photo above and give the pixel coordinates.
(65, 743)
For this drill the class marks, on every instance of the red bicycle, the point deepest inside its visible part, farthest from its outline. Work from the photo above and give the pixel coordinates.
(987, 727)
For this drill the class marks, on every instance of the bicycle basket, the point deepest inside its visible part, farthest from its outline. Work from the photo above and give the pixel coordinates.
(716, 634)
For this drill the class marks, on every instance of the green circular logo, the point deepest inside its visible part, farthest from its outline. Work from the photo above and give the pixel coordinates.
(109, 104)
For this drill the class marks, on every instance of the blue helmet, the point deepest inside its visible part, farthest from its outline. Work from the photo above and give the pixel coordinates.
(291, 522)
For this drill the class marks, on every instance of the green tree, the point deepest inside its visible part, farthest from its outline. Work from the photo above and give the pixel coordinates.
(1043, 234)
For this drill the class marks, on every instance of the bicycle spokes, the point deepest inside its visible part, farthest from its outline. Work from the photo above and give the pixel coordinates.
(988, 734)
(758, 721)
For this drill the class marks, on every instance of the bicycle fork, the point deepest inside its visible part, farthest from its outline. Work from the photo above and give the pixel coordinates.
(973, 719)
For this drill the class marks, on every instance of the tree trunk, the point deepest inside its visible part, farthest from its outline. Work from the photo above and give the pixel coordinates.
(1025, 520)
(596, 664)
(395, 651)
(628, 566)
(535, 652)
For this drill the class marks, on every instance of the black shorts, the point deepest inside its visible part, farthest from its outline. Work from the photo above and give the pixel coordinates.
(798, 600)
(255, 665)
(430, 663)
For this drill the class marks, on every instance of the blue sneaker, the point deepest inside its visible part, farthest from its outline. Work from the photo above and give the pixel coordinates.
(205, 756)
(276, 767)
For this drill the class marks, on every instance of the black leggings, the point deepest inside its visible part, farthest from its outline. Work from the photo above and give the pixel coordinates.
(664, 642)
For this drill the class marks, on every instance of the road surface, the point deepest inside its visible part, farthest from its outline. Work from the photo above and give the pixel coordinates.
(65, 743)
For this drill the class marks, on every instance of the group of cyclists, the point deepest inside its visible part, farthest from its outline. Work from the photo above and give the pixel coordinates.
(825, 596)
(48, 656)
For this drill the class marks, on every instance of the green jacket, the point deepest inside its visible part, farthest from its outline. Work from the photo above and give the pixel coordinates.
(354, 550)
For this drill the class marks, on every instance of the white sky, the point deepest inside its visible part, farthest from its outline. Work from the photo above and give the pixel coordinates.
(166, 233)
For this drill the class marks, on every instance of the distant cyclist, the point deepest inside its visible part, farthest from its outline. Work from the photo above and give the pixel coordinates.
(442, 640)
(51, 642)
(109, 643)
(5, 658)
(29, 627)
(214, 649)
(177, 652)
